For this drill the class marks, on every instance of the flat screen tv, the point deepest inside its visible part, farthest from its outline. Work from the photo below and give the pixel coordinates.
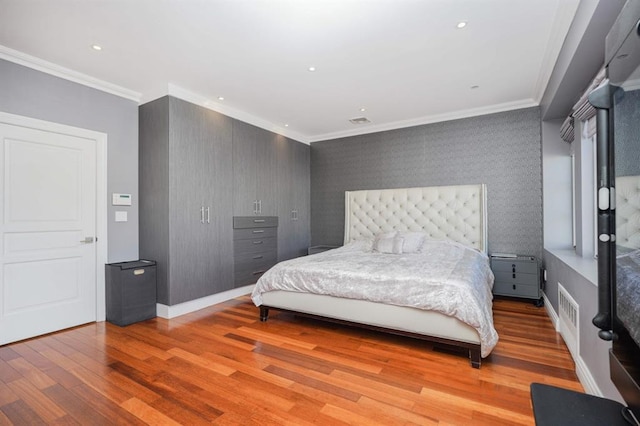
(618, 181)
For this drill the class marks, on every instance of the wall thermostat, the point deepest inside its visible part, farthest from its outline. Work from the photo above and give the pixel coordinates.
(121, 199)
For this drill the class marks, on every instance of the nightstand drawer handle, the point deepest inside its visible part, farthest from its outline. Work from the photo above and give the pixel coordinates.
(514, 286)
(514, 275)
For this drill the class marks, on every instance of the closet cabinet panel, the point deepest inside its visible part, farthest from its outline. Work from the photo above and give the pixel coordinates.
(153, 170)
(293, 198)
(254, 171)
(198, 212)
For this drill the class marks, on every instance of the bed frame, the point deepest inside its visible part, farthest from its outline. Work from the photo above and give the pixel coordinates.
(456, 213)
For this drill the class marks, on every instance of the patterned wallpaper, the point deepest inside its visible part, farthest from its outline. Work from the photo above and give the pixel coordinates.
(502, 150)
(627, 128)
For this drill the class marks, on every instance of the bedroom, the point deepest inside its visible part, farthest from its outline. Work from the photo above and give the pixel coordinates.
(516, 215)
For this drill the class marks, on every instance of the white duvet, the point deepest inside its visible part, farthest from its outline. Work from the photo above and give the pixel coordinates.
(444, 276)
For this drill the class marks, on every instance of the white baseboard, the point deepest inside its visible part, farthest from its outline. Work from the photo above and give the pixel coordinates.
(551, 313)
(168, 312)
(586, 379)
(582, 371)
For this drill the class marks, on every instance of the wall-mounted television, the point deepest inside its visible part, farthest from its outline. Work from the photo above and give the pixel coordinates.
(618, 181)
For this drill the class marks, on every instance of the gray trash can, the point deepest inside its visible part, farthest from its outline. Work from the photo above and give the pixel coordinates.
(131, 291)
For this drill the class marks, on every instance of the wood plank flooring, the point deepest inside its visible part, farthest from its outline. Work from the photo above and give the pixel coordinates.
(222, 366)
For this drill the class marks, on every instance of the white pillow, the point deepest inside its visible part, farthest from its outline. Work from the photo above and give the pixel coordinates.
(388, 243)
(413, 241)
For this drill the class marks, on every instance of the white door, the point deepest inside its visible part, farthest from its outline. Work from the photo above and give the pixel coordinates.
(48, 229)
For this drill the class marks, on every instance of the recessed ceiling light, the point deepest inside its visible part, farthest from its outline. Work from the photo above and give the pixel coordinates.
(363, 109)
(461, 24)
(311, 69)
(96, 47)
(221, 98)
(286, 125)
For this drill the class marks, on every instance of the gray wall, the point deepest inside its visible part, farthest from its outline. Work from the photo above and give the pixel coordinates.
(31, 93)
(593, 350)
(501, 150)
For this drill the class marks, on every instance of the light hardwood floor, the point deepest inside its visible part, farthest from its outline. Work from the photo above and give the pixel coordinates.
(221, 365)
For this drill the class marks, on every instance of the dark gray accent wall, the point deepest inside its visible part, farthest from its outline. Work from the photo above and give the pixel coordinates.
(31, 93)
(502, 150)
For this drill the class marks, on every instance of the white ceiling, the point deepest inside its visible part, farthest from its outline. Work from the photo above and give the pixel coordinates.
(403, 60)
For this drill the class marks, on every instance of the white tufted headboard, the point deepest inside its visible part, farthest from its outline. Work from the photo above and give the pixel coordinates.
(457, 213)
(628, 211)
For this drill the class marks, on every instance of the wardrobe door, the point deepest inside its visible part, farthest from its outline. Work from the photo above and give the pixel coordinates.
(286, 205)
(218, 253)
(189, 232)
(245, 200)
(301, 198)
(266, 166)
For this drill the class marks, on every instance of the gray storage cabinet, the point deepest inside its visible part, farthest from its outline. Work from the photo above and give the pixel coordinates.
(516, 277)
(131, 291)
(186, 198)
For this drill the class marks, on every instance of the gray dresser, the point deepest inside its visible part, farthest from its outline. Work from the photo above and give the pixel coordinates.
(255, 247)
(516, 277)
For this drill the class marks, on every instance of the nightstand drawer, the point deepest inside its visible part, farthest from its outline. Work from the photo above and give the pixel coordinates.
(516, 290)
(511, 265)
(516, 278)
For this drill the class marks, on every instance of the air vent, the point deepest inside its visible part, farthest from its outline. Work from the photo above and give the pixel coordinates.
(360, 120)
(569, 315)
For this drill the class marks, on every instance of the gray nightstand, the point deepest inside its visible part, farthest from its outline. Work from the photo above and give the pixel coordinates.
(517, 277)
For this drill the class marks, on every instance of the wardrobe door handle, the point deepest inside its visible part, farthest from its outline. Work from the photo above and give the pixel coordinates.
(208, 215)
(260, 231)
(258, 242)
(202, 214)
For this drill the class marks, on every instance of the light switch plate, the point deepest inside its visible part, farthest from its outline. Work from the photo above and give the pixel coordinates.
(121, 216)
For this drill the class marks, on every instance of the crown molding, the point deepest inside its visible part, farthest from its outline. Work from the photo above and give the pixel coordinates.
(185, 95)
(38, 64)
(508, 106)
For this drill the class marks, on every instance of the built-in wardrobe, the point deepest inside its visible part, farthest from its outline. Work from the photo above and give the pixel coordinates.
(198, 169)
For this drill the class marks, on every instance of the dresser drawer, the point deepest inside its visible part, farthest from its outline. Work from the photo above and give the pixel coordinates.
(255, 245)
(248, 233)
(255, 260)
(249, 273)
(255, 222)
(516, 290)
(511, 265)
(516, 278)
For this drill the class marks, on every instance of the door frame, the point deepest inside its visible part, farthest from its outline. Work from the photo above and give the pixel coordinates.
(101, 190)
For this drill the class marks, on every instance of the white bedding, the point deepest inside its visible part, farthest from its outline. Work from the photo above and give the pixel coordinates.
(444, 276)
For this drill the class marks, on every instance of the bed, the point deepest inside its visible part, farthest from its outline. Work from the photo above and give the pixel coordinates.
(453, 222)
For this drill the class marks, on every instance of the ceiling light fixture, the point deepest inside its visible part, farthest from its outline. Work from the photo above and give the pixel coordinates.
(311, 69)
(461, 24)
(96, 47)
(221, 98)
(363, 109)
